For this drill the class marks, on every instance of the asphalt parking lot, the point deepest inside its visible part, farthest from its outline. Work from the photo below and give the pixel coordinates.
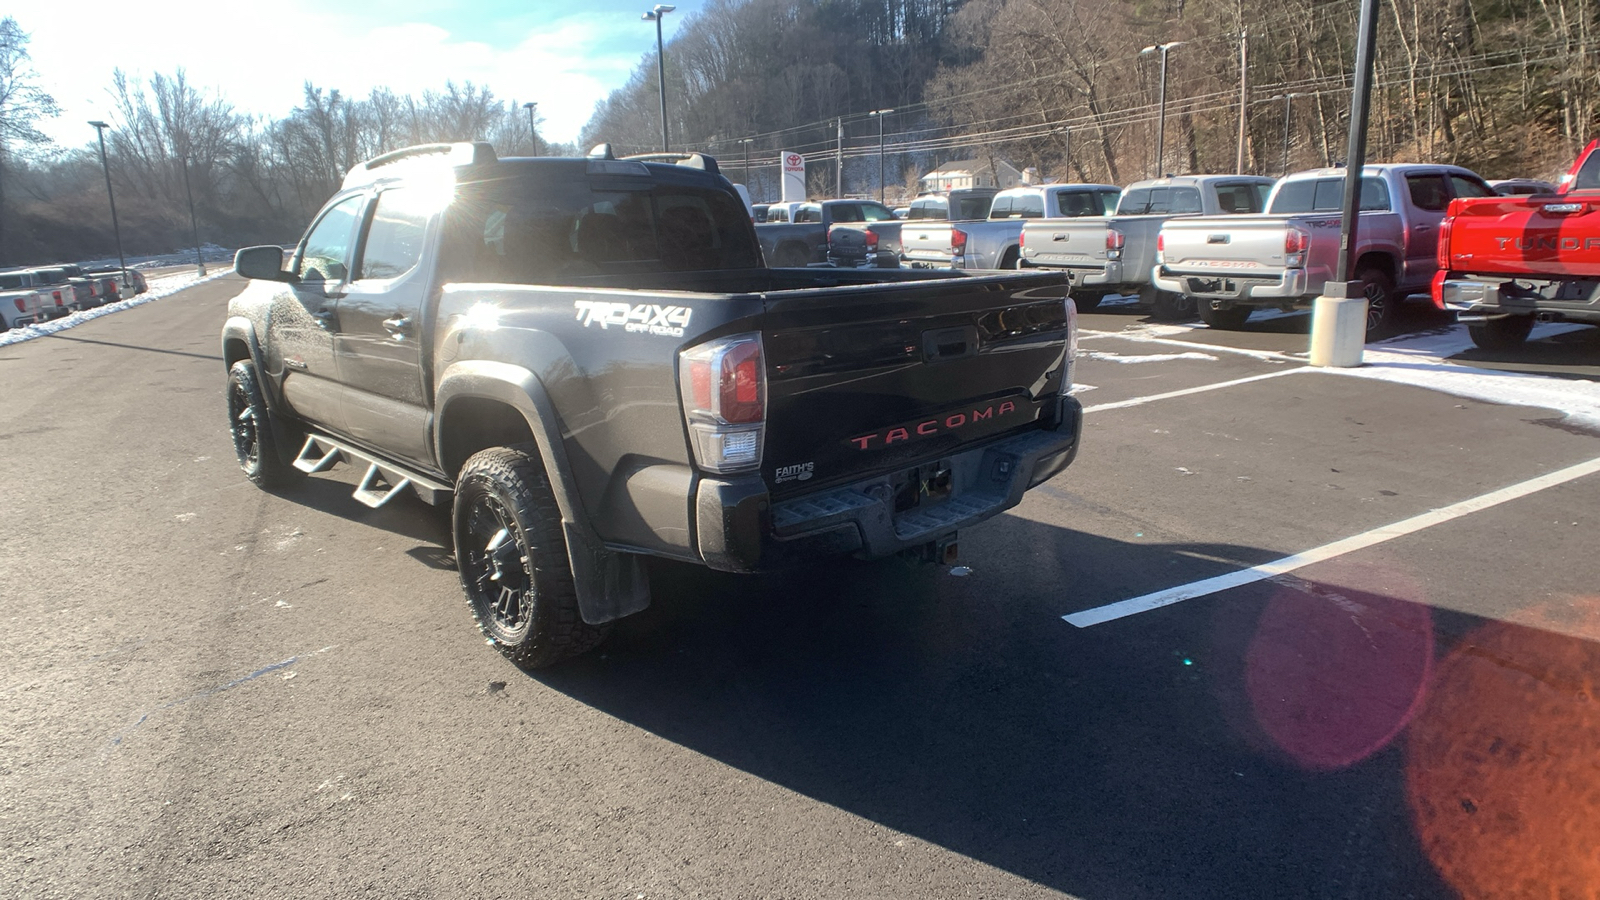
(214, 691)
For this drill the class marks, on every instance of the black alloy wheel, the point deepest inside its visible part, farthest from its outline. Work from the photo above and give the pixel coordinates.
(250, 423)
(511, 554)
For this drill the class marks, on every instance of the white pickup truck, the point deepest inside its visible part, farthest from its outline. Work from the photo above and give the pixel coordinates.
(1232, 265)
(1112, 254)
(994, 243)
(20, 302)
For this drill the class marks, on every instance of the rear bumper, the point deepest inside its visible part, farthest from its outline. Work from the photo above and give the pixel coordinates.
(1480, 300)
(1290, 284)
(740, 529)
(1107, 276)
(883, 259)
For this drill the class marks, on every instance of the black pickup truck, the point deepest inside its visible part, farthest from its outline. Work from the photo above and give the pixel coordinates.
(850, 234)
(588, 359)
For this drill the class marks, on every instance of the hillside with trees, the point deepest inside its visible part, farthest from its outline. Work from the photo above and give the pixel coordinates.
(1506, 87)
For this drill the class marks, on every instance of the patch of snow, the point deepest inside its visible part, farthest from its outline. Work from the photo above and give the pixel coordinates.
(1419, 360)
(159, 288)
(1154, 357)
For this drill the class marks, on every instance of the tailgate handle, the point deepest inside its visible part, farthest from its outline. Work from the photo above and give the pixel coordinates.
(950, 343)
(1218, 238)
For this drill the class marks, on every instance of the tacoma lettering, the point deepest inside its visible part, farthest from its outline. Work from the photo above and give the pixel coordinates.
(930, 427)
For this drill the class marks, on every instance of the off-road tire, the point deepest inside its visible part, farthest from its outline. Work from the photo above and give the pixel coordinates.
(1231, 318)
(250, 423)
(1502, 334)
(1168, 306)
(1383, 305)
(1087, 302)
(530, 612)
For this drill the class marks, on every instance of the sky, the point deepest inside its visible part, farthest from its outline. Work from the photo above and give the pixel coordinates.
(565, 56)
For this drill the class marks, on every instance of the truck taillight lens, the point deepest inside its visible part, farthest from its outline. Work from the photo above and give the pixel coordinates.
(1115, 241)
(1295, 242)
(21, 308)
(1443, 253)
(871, 237)
(723, 384)
(958, 241)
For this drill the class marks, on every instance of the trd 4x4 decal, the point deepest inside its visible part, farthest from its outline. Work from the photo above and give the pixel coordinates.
(645, 318)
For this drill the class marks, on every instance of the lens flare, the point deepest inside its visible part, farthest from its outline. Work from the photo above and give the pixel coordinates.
(1334, 674)
(1503, 762)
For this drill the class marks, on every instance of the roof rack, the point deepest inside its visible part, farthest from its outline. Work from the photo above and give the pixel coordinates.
(689, 160)
(457, 154)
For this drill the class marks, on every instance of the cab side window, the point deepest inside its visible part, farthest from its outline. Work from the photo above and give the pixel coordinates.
(1469, 187)
(326, 254)
(872, 212)
(1428, 192)
(1028, 206)
(394, 239)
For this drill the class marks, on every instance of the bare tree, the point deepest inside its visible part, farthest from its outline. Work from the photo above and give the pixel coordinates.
(22, 104)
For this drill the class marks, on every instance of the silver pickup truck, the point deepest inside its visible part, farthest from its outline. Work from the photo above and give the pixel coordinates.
(1112, 254)
(1282, 259)
(994, 242)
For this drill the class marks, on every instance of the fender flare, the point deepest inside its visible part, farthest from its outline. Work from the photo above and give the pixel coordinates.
(288, 439)
(609, 584)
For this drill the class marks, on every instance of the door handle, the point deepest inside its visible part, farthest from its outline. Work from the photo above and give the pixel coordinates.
(397, 326)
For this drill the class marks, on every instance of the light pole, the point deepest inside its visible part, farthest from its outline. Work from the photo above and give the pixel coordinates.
(194, 224)
(532, 133)
(654, 15)
(122, 263)
(1161, 107)
(1288, 108)
(746, 143)
(879, 114)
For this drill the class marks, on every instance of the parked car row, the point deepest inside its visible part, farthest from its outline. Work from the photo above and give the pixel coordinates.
(49, 292)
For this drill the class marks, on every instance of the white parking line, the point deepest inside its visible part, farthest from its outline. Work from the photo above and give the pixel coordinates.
(1124, 608)
(1145, 338)
(1139, 401)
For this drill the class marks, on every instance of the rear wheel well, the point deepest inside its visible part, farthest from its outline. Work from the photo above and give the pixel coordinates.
(470, 424)
(1383, 262)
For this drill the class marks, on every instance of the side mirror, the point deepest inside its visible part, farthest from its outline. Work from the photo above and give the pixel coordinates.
(265, 262)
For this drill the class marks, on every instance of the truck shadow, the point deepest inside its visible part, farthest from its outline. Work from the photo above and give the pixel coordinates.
(1143, 758)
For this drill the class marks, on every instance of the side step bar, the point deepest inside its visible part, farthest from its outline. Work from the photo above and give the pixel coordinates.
(383, 480)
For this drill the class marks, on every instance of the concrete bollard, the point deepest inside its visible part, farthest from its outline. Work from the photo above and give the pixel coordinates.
(1339, 325)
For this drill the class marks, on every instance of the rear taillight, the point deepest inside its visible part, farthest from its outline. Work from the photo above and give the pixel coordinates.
(59, 301)
(958, 241)
(723, 384)
(871, 237)
(1115, 241)
(1443, 253)
(1295, 242)
(21, 308)
(1022, 240)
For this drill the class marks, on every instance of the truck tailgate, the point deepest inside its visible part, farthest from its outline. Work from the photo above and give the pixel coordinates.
(1066, 243)
(1557, 236)
(926, 241)
(1244, 245)
(896, 375)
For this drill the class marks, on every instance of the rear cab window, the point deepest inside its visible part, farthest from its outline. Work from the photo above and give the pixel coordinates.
(1159, 201)
(549, 230)
(1241, 197)
(928, 209)
(1326, 195)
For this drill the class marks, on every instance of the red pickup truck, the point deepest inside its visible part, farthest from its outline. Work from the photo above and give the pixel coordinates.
(1507, 262)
